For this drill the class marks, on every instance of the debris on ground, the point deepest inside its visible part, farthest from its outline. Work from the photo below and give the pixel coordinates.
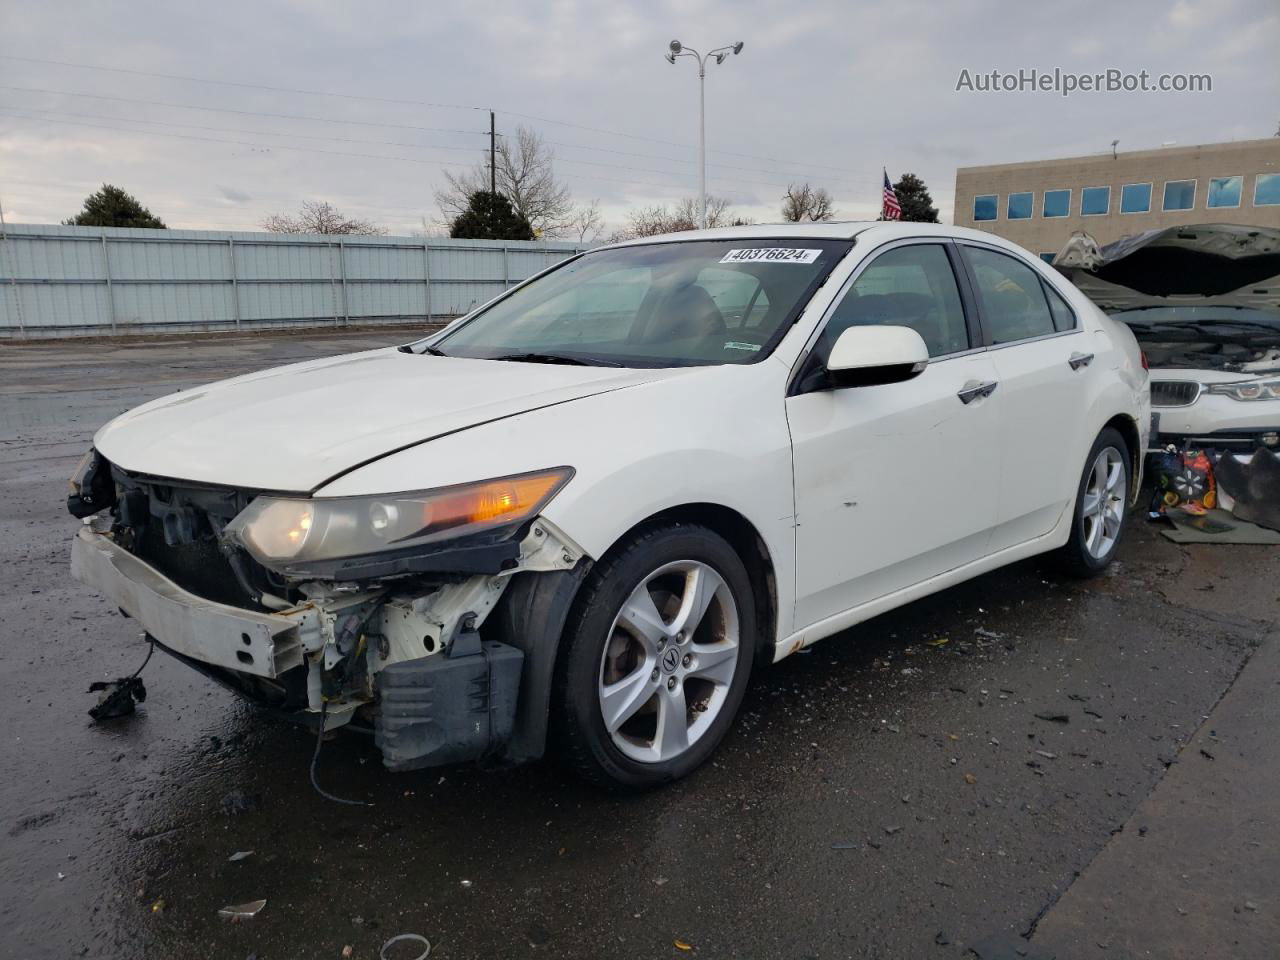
(681, 945)
(116, 698)
(414, 938)
(237, 802)
(241, 911)
(1054, 717)
(1047, 755)
(970, 779)
(240, 855)
(844, 845)
(158, 906)
(892, 830)
(347, 951)
(987, 634)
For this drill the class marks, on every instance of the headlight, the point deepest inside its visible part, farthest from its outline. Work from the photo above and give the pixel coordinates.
(1248, 389)
(280, 531)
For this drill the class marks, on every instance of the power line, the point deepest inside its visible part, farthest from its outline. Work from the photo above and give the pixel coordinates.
(276, 146)
(248, 113)
(413, 103)
(234, 83)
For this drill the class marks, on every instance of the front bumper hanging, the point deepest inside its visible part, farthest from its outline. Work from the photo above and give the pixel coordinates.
(261, 644)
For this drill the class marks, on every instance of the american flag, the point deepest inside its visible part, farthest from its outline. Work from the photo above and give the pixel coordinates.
(891, 210)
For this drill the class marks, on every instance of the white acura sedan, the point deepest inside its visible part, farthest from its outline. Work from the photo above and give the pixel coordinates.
(582, 514)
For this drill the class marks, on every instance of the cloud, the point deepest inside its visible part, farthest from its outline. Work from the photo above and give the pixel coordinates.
(826, 91)
(234, 195)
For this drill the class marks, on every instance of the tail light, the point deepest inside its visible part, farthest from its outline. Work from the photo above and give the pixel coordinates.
(1145, 365)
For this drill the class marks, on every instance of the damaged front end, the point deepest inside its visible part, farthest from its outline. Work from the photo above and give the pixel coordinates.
(369, 609)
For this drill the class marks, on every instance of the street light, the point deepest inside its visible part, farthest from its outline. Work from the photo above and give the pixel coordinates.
(721, 54)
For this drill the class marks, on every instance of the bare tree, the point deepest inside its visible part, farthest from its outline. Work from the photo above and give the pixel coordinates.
(321, 217)
(525, 175)
(586, 223)
(804, 202)
(651, 221)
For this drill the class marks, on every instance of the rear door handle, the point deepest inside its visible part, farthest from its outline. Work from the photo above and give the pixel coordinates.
(974, 389)
(1078, 360)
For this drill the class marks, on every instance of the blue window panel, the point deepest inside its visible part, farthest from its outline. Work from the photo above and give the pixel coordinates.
(1135, 198)
(1225, 191)
(986, 207)
(1047, 257)
(1020, 205)
(1057, 203)
(1179, 194)
(1266, 190)
(1095, 201)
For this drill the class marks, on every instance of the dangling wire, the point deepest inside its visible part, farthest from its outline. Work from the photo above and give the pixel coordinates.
(151, 648)
(315, 758)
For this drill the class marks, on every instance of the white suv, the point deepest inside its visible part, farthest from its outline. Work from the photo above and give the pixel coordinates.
(583, 513)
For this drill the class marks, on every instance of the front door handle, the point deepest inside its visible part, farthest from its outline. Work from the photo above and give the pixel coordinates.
(1078, 360)
(974, 389)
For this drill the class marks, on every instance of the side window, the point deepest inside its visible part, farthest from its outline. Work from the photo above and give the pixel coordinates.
(1063, 317)
(910, 286)
(1010, 296)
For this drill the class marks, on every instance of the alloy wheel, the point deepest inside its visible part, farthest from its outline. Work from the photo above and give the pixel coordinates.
(1102, 508)
(669, 661)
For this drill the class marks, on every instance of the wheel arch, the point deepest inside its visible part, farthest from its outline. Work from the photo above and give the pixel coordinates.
(742, 535)
(1127, 427)
(534, 610)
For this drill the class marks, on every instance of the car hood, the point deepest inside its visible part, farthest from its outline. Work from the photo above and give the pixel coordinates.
(294, 428)
(1210, 264)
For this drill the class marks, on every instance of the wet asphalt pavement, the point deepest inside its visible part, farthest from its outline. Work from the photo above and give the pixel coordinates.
(931, 782)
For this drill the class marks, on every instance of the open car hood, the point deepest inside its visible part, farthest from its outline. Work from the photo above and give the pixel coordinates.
(1210, 264)
(294, 428)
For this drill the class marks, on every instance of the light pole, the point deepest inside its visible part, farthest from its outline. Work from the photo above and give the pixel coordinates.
(677, 49)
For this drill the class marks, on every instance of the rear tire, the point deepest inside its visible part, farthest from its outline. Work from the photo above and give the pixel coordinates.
(1098, 522)
(655, 659)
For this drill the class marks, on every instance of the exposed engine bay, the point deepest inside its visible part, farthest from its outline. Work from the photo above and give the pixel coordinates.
(1239, 354)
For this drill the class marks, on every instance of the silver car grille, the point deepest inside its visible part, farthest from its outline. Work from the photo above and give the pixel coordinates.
(1174, 393)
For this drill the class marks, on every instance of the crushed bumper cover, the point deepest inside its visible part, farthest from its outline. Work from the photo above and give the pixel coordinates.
(262, 644)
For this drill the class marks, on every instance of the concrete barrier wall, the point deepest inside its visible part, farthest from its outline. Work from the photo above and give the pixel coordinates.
(95, 281)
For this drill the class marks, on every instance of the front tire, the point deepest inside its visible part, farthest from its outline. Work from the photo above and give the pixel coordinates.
(655, 660)
(1098, 523)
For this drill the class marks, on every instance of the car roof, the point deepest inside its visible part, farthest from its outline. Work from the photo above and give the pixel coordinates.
(877, 230)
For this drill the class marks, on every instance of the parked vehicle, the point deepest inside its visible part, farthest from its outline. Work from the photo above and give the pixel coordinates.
(586, 511)
(1204, 302)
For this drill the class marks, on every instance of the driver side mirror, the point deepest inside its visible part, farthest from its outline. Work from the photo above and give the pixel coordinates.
(874, 355)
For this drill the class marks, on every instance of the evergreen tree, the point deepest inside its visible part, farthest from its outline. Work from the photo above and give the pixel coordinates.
(490, 216)
(113, 207)
(913, 197)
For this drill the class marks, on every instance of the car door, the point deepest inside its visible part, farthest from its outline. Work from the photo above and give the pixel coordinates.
(894, 483)
(1042, 364)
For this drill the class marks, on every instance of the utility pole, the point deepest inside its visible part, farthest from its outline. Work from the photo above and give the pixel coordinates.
(493, 165)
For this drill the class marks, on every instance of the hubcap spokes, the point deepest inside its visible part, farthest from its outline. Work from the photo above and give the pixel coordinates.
(669, 660)
(1102, 507)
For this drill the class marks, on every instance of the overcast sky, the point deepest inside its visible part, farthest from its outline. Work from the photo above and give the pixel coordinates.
(825, 91)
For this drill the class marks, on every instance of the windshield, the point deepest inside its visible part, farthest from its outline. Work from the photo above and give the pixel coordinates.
(695, 303)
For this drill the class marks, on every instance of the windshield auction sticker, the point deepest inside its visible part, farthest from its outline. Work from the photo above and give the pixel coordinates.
(771, 255)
